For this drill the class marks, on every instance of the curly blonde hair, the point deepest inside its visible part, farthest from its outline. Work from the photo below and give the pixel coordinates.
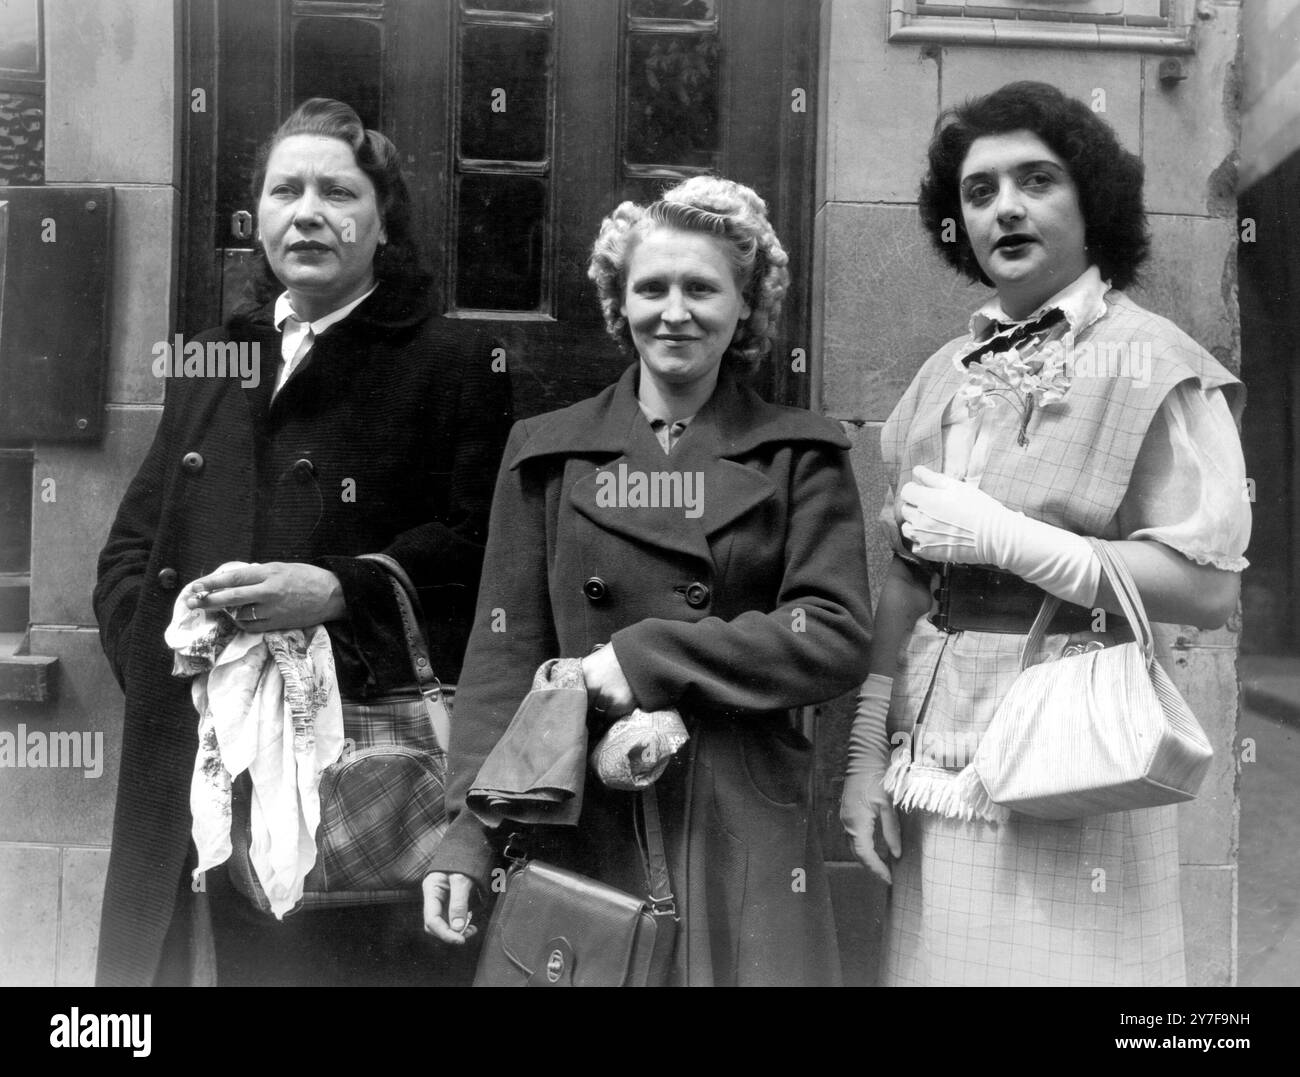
(718, 207)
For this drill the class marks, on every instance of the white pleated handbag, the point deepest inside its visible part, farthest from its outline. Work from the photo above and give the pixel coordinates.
(1096, 732)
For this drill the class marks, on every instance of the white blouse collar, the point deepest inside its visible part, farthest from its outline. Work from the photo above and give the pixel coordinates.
(284, 309)
(1081, 301)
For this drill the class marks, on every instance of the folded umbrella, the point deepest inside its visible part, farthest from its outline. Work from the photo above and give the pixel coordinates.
(536, 772)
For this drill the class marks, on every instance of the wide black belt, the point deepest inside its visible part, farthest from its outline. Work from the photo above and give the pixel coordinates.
(975, 598)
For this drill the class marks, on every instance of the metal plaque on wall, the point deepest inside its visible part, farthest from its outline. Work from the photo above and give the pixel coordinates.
(54, 281)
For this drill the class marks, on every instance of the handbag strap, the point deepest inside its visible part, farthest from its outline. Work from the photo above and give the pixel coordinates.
(1122, 583)
(1130, 599)
(408, 605)
(650, 842)
(417, 649)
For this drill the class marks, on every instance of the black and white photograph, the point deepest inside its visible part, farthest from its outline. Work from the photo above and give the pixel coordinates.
(662, 493)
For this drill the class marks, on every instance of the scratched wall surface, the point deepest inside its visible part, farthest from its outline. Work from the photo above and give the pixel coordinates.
(885, 302)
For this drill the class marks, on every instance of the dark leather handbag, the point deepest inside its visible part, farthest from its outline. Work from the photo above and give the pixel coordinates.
(555, 928)
(382, 803)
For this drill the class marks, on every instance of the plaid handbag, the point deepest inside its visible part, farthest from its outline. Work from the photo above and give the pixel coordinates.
(382, 809)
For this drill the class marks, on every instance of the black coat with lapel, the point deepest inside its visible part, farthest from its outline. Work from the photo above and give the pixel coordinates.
(733, 609)
(384, 440)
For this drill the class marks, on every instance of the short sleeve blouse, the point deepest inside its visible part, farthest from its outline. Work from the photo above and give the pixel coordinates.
(1188, 489)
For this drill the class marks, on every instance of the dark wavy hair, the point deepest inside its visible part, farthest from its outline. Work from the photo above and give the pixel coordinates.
(399, 261)
(1108, 177)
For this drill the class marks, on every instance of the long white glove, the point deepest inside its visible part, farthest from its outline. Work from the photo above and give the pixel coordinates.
(950, 520)
(865, 800)
(868, 740)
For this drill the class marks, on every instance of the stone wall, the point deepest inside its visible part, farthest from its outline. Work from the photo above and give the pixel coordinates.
(111, 72)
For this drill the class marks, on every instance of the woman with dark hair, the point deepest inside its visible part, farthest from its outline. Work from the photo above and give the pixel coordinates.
(395, 256)
(731, 609)
(368, 425)
(1107, 180)
(1067, 411)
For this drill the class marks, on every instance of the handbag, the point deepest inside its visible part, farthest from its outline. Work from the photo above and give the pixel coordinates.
(1100, 731)
(555, 928)
(382, 802)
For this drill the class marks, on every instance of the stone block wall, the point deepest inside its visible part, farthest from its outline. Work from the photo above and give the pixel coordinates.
(111, 94)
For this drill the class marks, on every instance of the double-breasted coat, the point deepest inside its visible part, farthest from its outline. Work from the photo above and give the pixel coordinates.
(748, 601)
(385, 440)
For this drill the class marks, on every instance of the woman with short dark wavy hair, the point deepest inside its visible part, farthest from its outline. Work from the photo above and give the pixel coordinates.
(366, 424)
(1107, 177)
(397, 259)
(1068, 412)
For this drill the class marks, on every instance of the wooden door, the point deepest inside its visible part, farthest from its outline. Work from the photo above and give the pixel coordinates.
(522, 123)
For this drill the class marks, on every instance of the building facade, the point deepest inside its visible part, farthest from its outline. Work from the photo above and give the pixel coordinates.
(524, 122)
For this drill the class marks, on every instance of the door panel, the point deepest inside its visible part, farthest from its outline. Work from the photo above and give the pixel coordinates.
(417, 77)
(521, 123)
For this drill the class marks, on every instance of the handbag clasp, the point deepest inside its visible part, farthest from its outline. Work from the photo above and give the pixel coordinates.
(516, 850)
(665, 906)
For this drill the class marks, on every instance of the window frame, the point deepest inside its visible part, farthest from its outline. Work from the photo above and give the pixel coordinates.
(1072, 30)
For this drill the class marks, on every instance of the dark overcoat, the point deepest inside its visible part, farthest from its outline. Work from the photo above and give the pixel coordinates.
(385, 440)
(733, 609)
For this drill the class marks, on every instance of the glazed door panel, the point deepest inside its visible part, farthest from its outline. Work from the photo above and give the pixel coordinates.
(521, 122)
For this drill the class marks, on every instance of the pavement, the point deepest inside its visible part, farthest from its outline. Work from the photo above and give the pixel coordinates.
(1268, 910)
(1271, 685)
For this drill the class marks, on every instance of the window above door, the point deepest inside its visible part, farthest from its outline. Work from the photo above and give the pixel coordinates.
(1144, 25)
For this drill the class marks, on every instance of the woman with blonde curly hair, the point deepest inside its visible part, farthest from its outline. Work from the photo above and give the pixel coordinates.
(732, 604)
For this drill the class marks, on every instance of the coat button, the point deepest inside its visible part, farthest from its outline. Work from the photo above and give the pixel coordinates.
(168, 579)
(303, 469)
(192, 463)
(595, 589)
(697, 595)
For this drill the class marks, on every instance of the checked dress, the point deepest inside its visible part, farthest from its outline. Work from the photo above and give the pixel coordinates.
(1027, 902)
